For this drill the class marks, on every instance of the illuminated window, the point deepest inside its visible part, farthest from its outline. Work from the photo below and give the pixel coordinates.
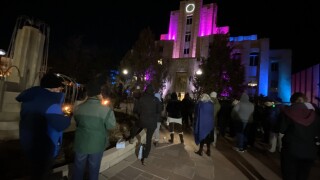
(187, 37)
(254, 59)
(189, 20)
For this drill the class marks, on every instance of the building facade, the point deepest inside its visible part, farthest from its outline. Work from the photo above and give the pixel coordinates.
(190, 33)
(308, 82)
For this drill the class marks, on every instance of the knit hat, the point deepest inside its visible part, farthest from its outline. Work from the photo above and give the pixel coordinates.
(93, 88)
(51, 80)
(213, 94)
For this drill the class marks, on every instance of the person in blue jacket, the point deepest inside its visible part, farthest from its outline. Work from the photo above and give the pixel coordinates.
(42, 123)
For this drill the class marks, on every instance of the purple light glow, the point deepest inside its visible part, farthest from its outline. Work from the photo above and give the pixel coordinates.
(226, 92)
(147, 76)
(164, 37)
(207, 25)
(173, 26)
(225, 76)
(221, 30)
(206, 21)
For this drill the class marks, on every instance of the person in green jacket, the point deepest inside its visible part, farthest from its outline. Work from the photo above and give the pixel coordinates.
(93, 121)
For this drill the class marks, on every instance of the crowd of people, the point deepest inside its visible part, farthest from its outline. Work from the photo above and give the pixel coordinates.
(291, 129)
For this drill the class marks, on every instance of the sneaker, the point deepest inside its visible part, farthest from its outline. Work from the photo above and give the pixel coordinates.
(239, 149)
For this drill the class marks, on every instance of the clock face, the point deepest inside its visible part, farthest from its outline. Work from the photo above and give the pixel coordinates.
(190, 8)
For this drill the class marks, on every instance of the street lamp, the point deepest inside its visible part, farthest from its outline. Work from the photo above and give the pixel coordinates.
(252, 84)
(125, 71)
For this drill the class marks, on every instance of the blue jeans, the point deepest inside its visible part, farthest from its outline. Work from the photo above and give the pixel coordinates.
(241, 136)
(80, 161)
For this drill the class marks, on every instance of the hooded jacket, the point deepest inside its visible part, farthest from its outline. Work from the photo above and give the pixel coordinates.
(300, 126)
(42, 122)
(243, 110)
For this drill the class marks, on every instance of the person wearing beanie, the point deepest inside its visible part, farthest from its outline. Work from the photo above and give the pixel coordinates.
(148, 109)
(42, 123)
(216, 108)
(94, 121)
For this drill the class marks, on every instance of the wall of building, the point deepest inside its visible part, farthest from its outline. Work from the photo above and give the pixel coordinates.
(204, 27)
(283, 57)
(308, 82)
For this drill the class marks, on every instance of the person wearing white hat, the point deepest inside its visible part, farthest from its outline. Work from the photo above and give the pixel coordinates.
(216, 107)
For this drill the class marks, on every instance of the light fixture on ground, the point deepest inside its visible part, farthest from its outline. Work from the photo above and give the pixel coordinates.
(199, 72)
(2, 52)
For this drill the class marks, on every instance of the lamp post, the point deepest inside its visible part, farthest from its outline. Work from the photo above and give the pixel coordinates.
(74, 91)
(125, 73)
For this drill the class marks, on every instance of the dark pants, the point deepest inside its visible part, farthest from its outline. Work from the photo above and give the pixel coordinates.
(134, 130)
(185, 119)
(241, 135)
(41, 169)
(293, 168)
(40, 161)
(80, 162)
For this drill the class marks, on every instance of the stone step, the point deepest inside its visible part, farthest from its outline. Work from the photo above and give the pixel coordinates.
(9, 134)
(9, 125)
(9, 103)
(9, 116)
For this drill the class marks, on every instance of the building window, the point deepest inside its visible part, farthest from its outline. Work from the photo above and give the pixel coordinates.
(187, 37)
(274, 67)
(254, 59)
(189, 20)
(186, 51)
(236, 56)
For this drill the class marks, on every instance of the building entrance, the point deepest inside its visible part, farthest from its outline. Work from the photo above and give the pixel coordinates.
(181, 81)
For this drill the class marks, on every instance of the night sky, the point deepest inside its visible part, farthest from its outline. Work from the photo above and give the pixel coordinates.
(116, 24)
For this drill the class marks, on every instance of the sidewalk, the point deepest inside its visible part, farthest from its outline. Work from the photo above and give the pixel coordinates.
(178, 161)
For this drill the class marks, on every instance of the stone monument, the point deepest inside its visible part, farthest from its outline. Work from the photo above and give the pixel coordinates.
(21, 68)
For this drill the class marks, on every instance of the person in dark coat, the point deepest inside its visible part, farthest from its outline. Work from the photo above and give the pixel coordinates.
(42, 124)
(148, 109)
(299, 126)
(187, 111)
(173, 109)
(204, 123)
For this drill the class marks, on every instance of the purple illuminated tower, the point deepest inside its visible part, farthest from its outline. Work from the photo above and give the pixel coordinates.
(190, 33)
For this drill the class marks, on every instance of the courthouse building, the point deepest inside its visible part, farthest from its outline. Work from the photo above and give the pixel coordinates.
(191, 30)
